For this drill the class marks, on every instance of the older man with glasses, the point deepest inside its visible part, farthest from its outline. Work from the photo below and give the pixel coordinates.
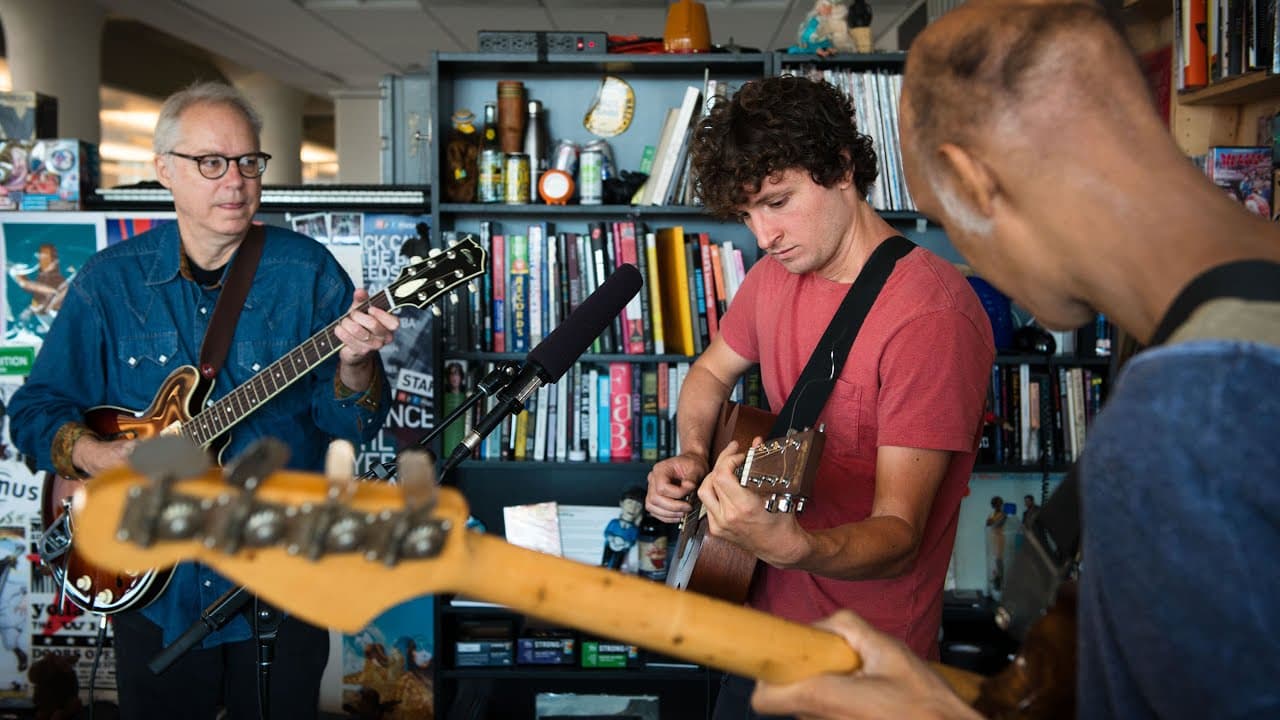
(139, 310)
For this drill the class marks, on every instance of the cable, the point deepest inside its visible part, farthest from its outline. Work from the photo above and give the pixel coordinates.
(97, 658)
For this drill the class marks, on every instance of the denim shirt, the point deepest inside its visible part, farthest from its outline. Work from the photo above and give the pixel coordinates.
(130, 319)
(1180, 596)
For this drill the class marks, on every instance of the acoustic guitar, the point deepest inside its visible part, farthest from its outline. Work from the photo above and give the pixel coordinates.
(780, 470)
(180, 409)
(288, 535)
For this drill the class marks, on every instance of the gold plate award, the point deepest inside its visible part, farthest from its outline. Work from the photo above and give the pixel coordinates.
(610, 113)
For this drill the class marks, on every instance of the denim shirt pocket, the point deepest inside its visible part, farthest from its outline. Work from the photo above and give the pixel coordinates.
(146, 360)
(251, 357)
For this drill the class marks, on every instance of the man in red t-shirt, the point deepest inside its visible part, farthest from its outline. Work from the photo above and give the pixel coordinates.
(905, 416)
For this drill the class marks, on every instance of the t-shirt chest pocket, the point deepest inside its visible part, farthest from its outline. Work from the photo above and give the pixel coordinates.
(844, 418)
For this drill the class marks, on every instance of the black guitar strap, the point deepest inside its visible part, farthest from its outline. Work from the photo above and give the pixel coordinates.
(226, 311)
(814, 385)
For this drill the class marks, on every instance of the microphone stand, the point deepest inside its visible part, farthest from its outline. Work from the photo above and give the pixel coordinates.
(488, 386)
(212, 619)
(266, 620)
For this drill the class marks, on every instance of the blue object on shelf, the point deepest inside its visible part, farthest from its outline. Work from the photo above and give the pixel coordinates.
(998, 311)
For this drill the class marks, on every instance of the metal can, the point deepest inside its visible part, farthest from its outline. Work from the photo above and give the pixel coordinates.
(565, 157)
(490, 189)
(606, 163)
(590, 181)
(516, 176)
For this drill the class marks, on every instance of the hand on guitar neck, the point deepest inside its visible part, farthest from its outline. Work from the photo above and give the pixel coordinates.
(891, 678)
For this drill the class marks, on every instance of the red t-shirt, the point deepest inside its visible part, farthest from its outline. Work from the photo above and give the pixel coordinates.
(917, 376)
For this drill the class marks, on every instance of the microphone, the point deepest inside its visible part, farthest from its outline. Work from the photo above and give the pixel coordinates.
(555, 354)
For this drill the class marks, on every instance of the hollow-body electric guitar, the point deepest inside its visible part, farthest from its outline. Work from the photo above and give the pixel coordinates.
(180, 408)
(780, 470)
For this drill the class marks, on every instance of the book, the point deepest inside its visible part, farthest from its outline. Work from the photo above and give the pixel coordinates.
(518, 291)
(620, 427)
(653, 286)
(668, 159)
(498, 280)
(1244, 174)
(677, 317)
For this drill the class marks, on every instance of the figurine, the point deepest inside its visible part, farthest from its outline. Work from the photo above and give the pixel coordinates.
(833, 26)
(622, 531)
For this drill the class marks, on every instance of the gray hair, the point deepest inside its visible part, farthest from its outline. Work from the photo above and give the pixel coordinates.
(214, 93)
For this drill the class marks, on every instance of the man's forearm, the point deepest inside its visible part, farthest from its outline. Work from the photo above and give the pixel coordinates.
(877, 547)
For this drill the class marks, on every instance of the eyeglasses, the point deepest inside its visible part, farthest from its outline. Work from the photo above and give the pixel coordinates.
(213, 167)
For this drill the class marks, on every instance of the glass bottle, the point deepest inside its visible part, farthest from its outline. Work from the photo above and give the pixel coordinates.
(462, 153)
(491, 158)
(652, 543)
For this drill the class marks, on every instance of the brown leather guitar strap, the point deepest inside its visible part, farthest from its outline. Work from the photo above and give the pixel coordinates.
(226, 311)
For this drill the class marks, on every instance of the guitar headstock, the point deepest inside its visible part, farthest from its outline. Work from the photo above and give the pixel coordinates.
(425, 279)
(782, 469)
(287, 536)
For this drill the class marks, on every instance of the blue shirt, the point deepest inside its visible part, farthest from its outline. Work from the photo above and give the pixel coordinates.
(1179, 595)
(131, 318)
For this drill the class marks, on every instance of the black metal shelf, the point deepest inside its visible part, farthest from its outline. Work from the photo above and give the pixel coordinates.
(586, 210)
(1002, 469)
(586, 358)
(531, 63)
(570, 673)
(1055, 360)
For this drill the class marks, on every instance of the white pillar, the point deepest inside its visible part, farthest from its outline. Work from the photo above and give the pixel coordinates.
(281, 109)
(55, 47)
(357, 135)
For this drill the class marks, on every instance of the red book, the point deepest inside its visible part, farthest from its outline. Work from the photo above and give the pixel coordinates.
(620, 412)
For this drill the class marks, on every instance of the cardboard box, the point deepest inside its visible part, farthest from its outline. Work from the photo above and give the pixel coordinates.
(482, 653)
(545, 651)
(61, 175)
(26, 115)
(14, 160)
(597, 654)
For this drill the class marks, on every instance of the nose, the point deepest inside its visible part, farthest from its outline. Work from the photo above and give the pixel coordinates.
(767, 233)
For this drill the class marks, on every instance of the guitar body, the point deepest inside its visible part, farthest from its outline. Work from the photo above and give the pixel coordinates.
(181, 407)
(703, 563)
(86, 585)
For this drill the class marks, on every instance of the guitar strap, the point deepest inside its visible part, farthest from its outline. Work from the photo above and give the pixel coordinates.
(814, 385)
(226, 311)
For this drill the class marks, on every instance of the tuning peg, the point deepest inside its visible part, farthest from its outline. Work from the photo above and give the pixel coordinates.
(453, 297)
(435, 310)
(434, 252)
(471, 287)
(340, 462)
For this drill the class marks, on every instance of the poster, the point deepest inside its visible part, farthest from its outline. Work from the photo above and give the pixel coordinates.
(386, 668)
(41, 253)
(408, 361)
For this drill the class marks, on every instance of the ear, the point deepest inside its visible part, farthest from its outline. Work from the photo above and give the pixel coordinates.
(974, 179)
(162, 171)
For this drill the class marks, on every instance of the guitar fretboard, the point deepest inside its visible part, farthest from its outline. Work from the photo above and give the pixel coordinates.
(418, 285)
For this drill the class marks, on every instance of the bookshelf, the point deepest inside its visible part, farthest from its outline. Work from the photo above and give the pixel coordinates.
(565, 86)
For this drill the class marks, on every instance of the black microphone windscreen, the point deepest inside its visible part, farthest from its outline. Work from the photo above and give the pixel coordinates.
(562, 348)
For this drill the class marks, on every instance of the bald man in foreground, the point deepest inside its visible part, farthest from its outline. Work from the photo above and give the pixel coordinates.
(1029, 132)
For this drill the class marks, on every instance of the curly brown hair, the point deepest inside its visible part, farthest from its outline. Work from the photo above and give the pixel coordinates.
(772, 125)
